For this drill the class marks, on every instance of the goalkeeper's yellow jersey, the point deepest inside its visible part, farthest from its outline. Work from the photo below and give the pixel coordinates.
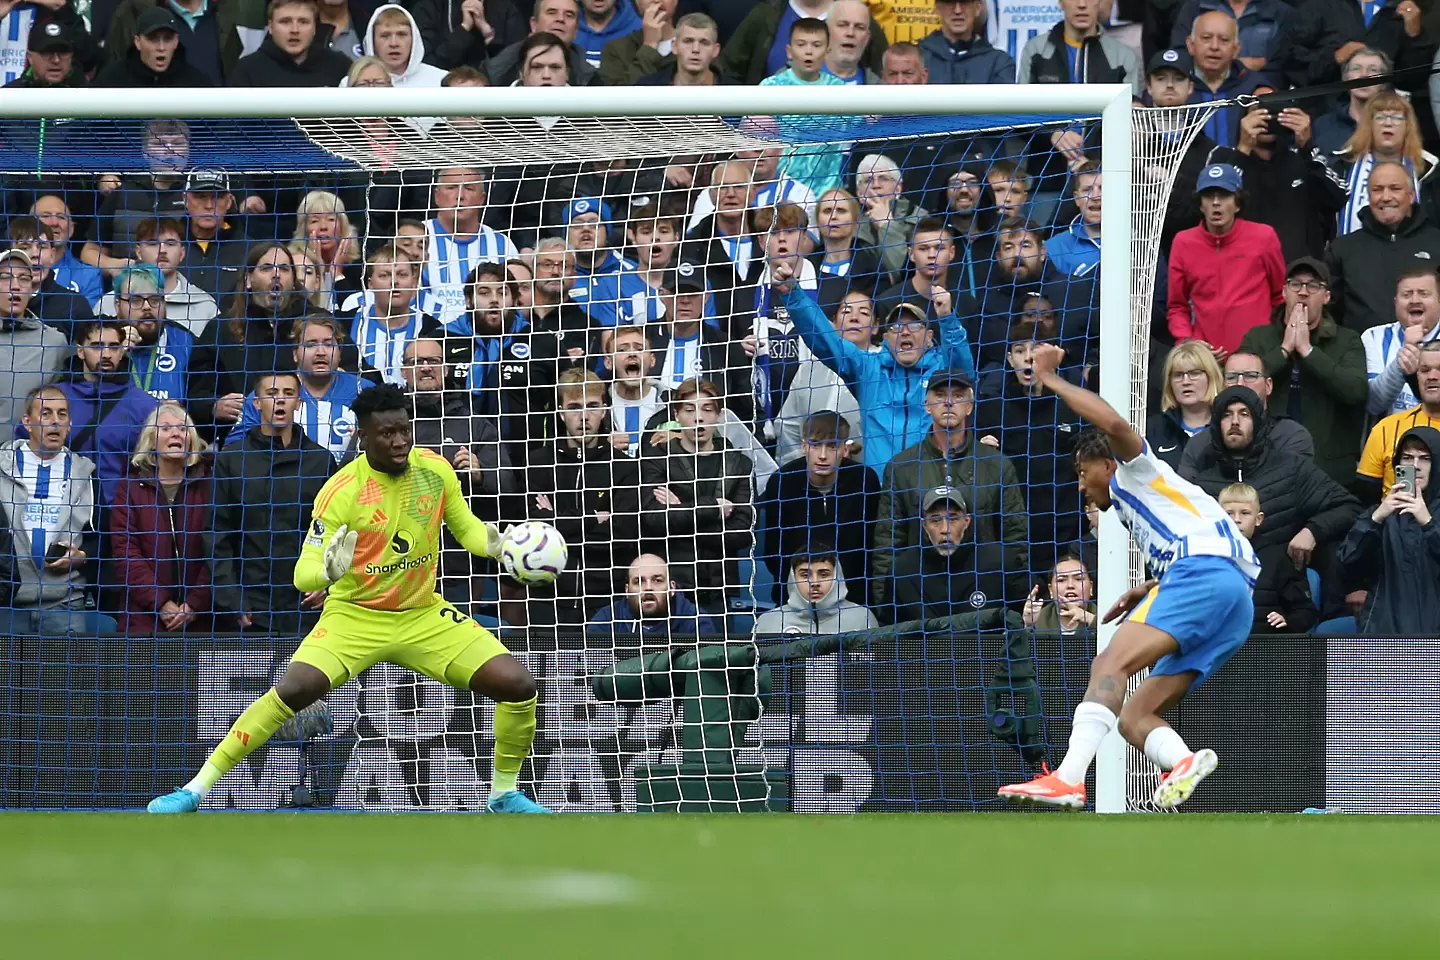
(398, 520)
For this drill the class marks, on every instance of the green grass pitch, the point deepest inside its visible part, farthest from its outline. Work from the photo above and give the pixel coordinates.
(434, 887)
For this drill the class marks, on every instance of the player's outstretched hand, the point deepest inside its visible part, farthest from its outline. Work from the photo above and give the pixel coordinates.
(1046, 359)
(494, 537)
(340, 552)
(1128, 601)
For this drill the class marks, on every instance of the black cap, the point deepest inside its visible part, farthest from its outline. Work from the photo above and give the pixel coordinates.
(1314, 266)
(1176, 59)
(51, 35)
(950, 375)
(207, 181)
(156, 18)
(686, 277)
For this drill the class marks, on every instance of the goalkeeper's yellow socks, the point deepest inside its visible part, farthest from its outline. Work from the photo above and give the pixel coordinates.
(256, 725)
(514, 733)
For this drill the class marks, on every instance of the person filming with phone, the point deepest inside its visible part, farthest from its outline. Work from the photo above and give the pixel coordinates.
(1398, 545)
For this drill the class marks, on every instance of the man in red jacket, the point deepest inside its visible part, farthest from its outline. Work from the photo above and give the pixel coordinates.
(1226, 274)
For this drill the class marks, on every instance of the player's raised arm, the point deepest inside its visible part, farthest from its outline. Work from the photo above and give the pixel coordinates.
(1125, 443)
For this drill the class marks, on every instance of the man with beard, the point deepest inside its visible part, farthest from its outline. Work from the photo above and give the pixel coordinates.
(1282, 434)
(1227, 274)
(58, 306)
(159, 350)
(162, 243)
(950, 573)
(724, 245)
(253, 335)
(696, 494)
(508, 366)
(932, 256)
(1395, 234)
(31, 353)
(107, 411)
(1022, 271)
(456, 241)
(1303, 507)
(653, 603)
(590, 493)
(326, 391)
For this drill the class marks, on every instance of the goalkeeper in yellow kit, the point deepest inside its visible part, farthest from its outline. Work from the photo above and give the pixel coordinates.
(374, 541)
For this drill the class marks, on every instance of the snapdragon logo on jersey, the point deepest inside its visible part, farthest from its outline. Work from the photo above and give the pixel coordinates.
(400, 545)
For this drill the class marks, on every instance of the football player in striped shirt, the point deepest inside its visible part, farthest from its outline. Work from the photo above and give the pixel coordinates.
(1183, 626)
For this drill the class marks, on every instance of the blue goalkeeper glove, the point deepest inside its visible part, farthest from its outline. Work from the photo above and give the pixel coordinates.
(340, 552)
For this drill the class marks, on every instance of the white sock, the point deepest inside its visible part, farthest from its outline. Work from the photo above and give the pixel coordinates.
(1093, 722)
(1165, 748)
(203, 781)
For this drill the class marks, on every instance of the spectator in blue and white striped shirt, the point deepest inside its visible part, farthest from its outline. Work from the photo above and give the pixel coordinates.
(326, 391)
(458, 241)
(392, 317)
(1392, 351)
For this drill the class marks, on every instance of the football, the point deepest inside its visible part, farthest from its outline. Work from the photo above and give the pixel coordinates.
(533, 552)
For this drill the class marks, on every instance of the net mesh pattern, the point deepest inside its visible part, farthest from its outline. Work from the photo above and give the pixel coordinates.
(549, 294)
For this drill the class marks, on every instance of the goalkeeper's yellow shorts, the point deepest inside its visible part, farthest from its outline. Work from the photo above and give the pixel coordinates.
(437, 640)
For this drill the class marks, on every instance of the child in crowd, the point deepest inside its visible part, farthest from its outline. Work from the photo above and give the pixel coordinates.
(1282, 593)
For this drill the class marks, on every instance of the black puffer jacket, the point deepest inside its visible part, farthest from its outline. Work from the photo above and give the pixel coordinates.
(264, 492)
(694, 535)
(1294, 493)
(1405, 599)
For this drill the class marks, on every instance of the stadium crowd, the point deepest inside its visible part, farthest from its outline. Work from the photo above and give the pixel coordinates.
(600, 345)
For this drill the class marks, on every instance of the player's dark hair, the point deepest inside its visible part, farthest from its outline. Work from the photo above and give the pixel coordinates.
(378, 399)
(1092, 445)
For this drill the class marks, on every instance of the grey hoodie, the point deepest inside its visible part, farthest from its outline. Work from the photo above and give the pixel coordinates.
(31, 354)
(74, 516)
(832, 615)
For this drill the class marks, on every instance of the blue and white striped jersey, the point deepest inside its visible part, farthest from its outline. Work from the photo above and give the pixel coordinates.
(448, 262)
(327, 420)
(1382, 345)
(1170, 518)
(382, 347)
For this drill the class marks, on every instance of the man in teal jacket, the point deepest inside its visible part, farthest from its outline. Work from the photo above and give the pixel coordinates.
(889, 384)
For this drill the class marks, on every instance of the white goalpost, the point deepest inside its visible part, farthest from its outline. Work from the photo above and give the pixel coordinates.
(1140, 154)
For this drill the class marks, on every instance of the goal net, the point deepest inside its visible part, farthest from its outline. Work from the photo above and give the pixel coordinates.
(826, 551)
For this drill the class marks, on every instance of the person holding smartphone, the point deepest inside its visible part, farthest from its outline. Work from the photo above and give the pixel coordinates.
(1401, 540)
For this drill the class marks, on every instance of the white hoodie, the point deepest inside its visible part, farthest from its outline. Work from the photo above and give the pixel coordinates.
(417, 73)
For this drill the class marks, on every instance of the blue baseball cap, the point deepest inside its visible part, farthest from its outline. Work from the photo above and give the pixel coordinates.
(583, 205)
(1220, 176)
